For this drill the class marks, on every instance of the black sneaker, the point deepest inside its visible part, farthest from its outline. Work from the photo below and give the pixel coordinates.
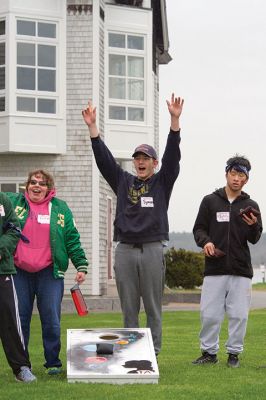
(206, 358)
(233, 361)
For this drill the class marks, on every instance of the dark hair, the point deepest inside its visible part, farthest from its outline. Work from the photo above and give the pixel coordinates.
(237, 159)
(47, 176)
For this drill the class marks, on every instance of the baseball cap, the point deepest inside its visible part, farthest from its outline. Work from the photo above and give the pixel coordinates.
(145, 149)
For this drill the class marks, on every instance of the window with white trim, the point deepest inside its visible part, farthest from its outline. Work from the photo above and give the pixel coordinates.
(36, 43)
(14, 185)
(2, 64)
(126, 77)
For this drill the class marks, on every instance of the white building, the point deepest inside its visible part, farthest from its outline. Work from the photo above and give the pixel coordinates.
(54, 56)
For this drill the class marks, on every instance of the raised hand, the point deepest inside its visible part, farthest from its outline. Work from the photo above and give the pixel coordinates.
(175, 106)
(89, 114)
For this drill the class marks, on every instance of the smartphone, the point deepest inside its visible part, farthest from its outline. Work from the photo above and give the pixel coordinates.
(248, 210)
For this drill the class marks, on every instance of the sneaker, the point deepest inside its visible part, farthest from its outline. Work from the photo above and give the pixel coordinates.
(206, 358)
(54, 370)
(25, 375)
(233, 361)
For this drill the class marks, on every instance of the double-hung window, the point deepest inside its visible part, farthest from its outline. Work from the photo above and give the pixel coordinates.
(126, 77)
(36, 66)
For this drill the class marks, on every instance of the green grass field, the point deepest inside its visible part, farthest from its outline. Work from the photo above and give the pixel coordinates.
(259, 286)
(179, 379)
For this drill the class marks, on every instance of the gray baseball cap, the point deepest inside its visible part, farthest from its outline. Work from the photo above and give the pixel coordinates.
(145, 149)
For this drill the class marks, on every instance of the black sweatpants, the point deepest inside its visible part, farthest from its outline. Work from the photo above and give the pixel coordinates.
(10, 328)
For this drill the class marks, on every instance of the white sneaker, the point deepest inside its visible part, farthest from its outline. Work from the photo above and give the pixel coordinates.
(25, 375)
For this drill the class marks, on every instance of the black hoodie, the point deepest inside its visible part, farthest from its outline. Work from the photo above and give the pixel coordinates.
(141, 210)
(218, 221)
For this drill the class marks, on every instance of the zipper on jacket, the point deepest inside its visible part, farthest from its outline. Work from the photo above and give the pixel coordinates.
(228, 235)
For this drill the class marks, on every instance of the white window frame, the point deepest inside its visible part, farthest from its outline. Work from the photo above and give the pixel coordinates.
(18, 181)
(120, 135)
(127, 103)
(38, 94)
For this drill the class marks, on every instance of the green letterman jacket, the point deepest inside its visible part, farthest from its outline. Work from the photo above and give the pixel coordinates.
(64, 236)
(8, 238)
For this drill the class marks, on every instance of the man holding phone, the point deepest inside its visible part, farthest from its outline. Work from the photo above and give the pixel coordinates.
(227, 220)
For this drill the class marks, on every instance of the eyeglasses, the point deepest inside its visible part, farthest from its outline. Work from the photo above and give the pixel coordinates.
(40, 183)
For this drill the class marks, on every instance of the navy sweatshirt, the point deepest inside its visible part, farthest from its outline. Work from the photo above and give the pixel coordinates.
(141, 211)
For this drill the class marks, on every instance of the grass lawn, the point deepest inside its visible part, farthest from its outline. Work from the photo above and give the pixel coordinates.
(179, 379)
(259, 286)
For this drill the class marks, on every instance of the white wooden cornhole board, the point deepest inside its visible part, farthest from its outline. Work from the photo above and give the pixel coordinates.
(133, 359)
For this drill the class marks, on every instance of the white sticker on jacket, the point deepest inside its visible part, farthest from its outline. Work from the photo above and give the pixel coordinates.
(43, 219)
(147, 202)
(2, 210)
(223, 216)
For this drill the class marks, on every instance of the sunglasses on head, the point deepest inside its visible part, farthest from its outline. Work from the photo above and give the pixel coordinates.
(40, 183)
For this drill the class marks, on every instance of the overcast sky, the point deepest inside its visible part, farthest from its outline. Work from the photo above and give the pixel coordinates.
(219, 68)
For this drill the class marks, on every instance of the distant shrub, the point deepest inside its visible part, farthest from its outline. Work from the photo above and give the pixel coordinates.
(184, 268)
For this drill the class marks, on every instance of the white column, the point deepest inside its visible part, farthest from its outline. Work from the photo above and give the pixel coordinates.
(95, 262)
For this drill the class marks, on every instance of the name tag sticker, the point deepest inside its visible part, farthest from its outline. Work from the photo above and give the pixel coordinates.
(2, 210)
(147, 202)
(223, 216)
(43, 219)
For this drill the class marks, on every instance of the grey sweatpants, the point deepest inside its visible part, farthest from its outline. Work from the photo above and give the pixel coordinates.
(224, 294)
(140, 273)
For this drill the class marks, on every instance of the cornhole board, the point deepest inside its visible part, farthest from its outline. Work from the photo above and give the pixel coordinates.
(132, 360)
